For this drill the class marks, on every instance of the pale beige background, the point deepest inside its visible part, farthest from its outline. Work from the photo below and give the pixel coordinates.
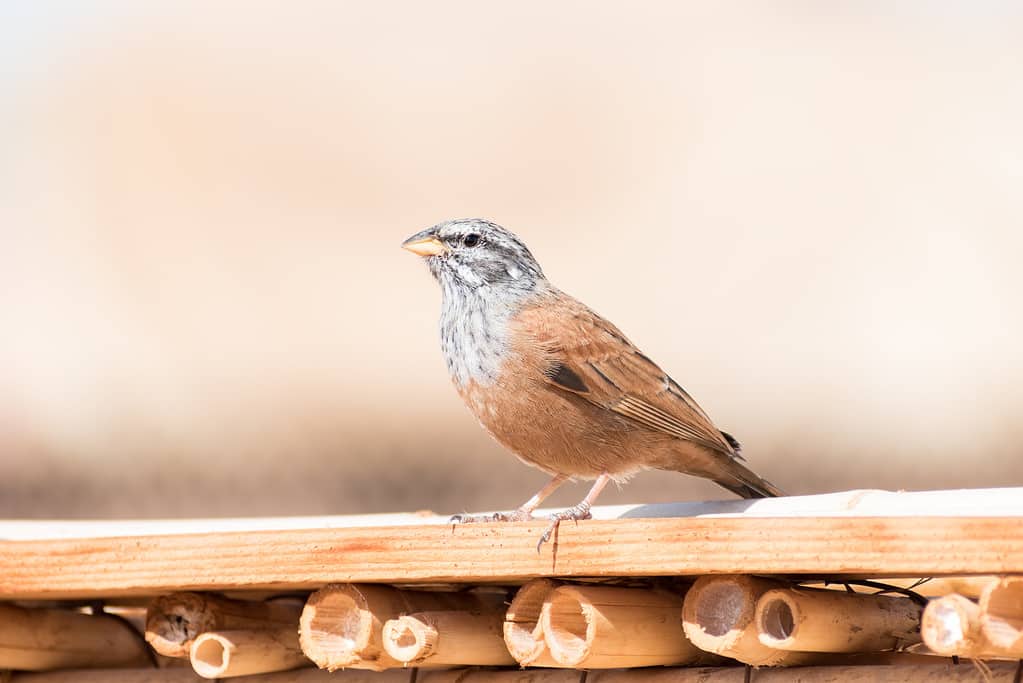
(809, 213)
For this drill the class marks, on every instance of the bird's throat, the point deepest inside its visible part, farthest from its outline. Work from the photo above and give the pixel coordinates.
(473, 334)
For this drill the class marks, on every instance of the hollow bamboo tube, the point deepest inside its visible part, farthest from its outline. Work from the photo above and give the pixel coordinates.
(174, 621)
(42, 639)
(1001, 605)
(952, 625)
(931, 672)
(187, 675)
(807, 620)
(342, 624)
(605, 627)
(998, 672)
(718, 616)
(523, 634)
(224, 654)
(463, 638)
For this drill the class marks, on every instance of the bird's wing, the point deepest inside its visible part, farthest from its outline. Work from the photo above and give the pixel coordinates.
(587, 355)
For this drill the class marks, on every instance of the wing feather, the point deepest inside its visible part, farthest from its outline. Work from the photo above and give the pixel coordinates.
(591, 358)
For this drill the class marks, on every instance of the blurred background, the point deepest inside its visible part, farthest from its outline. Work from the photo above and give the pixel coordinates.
(810, 214)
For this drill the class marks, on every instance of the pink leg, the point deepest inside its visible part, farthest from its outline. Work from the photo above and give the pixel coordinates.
(525, 510)
(580, 511)
(524, 513)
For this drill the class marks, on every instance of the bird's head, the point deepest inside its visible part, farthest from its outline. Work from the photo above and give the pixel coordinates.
(470, 253)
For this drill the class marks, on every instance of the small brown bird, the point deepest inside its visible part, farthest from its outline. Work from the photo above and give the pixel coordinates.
(555, 383)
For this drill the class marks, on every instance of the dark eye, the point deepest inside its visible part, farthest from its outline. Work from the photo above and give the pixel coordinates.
(471, 240)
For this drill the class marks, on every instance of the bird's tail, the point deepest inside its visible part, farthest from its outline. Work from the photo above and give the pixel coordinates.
(753, 487)
(743, 481)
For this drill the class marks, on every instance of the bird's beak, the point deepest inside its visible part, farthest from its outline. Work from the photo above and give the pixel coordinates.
(425, 244)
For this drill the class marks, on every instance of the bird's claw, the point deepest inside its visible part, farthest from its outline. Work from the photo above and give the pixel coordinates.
(469, 519)
(514, 516)
(577, 513)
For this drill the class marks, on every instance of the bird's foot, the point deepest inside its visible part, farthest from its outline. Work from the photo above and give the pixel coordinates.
(580, 511)
(518, 515)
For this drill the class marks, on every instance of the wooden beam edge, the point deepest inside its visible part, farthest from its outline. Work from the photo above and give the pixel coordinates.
(506, 553)
(992, 502)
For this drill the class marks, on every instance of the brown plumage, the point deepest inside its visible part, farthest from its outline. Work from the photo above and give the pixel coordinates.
(558, 385)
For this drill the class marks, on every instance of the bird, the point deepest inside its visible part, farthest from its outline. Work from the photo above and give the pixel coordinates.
(558, 385)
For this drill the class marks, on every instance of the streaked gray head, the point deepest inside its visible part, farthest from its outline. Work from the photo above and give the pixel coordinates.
(484, 272)
(474, 253)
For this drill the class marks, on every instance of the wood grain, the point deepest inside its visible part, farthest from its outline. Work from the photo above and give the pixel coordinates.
(308, 559)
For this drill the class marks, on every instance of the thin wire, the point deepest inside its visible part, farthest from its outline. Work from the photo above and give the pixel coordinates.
(881, 587)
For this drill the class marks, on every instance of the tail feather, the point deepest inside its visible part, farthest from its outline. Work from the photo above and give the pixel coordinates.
(759, 489)
(744, 482)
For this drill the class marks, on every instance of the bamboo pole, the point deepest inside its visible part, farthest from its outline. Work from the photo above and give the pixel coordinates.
(225, 654)
(718, 616)
(810, 620)
(342, 624)
(41, 639)
(997, 672)
(449, 638)
(605, 627)
(894, 673)
(174, 621)
(931, 672)
(523, 634)
(952, 625)
(1002, 622)
(187, 675)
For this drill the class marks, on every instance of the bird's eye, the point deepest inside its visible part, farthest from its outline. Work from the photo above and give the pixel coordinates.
(471, 240)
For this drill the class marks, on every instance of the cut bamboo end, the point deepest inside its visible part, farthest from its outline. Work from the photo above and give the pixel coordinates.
(224, 654)
(606, 627)
(718, 616)
(337, 628)
(523, 634)
(952, 625)
(471, 638)
(44, 639)
(808, 620)
(410, 638)
(1001, 605)
(342, 624)
(174, 621)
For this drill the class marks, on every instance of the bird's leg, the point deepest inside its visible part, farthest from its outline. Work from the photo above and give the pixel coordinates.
(524, 513)
(580, 511)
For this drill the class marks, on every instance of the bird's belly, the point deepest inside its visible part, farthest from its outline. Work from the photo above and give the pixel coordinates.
(556, 431)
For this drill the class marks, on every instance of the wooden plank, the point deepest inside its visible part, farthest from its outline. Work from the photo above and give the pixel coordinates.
(307, 559)
(998, 502)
